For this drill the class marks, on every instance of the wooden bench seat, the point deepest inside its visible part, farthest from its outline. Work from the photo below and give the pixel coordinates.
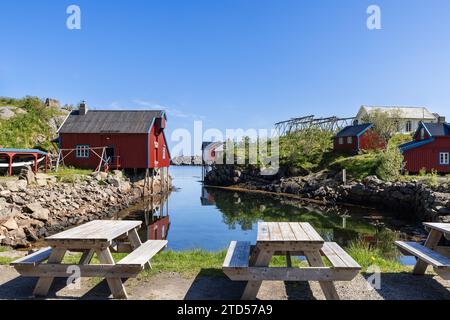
(34, 258)
(236, 266)
(144, 253)
(439, 262)
(338, 258)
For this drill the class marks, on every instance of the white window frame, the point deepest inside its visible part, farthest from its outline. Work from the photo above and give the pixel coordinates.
(409, 126)
(341, 140)
(164, 151)
(82, 151)
(349, 140)
(444, 158)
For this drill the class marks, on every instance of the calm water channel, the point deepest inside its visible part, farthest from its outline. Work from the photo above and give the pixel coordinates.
(194, 217)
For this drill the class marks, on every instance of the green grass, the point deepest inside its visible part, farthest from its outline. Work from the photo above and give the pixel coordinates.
(65, 171)
(4, 249)
(368, 256)
(359, 166)
(23, 130)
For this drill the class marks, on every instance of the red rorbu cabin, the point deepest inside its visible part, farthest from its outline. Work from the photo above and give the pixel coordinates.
(358, 137)
(430, 149)
(117, 139)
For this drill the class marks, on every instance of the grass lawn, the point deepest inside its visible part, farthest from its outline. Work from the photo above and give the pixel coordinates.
(359, 166)
(64, 171)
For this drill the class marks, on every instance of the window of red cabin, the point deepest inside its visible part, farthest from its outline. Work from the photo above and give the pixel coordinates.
(349, 140)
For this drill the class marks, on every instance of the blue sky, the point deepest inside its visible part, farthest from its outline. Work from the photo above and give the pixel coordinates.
(230, 63)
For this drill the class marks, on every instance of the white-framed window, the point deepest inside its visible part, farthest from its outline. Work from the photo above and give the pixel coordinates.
(444, 158)
(341, 140)
(408, 126)
(82, 151)
(164, 151)
(350, 140)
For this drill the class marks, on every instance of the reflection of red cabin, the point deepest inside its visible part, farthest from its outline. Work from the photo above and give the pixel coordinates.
(133, 139)
(357, 138)
(159, 229)
(430, 149)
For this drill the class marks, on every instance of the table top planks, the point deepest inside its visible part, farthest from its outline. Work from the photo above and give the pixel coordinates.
(442, 227)
(97, 230)
(287, 232)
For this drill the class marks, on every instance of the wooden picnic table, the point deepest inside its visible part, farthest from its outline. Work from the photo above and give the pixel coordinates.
(288, 239)
(431, 253)
(100, 237)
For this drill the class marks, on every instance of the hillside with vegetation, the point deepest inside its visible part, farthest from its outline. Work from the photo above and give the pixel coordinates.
(29, 123)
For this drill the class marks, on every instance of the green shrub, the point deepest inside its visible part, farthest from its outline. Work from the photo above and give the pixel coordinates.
(390, 164)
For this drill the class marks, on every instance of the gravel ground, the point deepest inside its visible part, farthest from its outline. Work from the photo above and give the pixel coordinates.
(173, 286)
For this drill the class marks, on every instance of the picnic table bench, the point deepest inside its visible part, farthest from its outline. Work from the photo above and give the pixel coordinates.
(98, 237)
(430, 253)
(245, 262)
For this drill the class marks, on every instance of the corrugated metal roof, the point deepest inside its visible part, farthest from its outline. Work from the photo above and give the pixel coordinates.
(102, 121)
(352, 131)
(405, 112)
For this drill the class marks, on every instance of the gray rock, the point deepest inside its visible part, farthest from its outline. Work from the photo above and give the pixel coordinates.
(10, 224)
(37, 212)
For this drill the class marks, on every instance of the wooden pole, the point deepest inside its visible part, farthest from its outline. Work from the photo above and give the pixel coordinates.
(35, 164)
(10, 164)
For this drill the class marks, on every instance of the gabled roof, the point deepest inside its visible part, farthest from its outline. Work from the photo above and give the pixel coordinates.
(352, 131)
(102, 121)
(433, 129)
(436, 129)
(404, 112)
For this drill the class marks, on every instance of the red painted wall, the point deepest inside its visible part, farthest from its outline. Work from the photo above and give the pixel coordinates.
(346, 146)
(130, 147)
(427, 156)
(369, 140)
(156, 154)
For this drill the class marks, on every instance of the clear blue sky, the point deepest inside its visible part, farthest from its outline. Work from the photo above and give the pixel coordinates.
(231, 63)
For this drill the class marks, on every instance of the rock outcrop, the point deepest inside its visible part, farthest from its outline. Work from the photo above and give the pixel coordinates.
(405, 198)
(35, 207)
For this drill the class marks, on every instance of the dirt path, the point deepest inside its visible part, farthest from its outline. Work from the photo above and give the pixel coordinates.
(173, 286)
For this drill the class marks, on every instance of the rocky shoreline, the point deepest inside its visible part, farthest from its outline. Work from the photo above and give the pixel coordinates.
(36, 206)
(409, 199)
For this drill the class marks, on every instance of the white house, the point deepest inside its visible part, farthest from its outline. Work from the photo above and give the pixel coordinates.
(408, 118)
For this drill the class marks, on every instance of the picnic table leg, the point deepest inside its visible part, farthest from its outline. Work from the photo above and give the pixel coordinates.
(115, 284)
(288, 260)
(87, 257)
(44, 283)
(135, 241)
(432, 241)
(328, 288)
(261, 258)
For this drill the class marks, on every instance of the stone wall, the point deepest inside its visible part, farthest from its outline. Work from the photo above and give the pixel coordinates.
(408, 199)
(36, 206)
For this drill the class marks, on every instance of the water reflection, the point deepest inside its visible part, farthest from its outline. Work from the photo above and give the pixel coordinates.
(210, 218)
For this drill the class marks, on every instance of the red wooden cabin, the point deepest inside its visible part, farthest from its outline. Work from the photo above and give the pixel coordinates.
(126, 139)
(430, 149)
(356, 138)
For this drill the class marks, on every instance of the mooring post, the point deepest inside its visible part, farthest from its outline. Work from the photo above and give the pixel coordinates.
(344, 176)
